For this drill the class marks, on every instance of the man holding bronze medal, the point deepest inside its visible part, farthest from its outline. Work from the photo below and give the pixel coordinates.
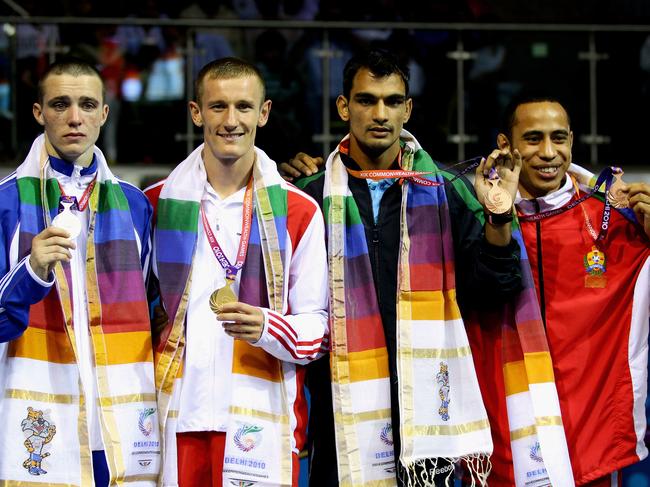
(399, 400)
(76, 361)
(565, 389)
(241, 265)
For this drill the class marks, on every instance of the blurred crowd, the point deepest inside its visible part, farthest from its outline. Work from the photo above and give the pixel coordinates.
(145, 67)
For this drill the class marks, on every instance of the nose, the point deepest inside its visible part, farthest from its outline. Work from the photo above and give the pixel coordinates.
(74, 115)
(547, 149)
(380, 113)
(231, 118)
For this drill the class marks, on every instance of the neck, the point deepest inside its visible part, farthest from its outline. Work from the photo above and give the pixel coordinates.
(228, 177)
(83, 160)
(368, 161)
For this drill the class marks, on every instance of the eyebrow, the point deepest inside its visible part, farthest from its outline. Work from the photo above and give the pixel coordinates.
(540, 132)
(66, 99)
(364, 94)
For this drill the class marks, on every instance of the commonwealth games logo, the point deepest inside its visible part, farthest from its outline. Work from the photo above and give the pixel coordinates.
(536, 452)
(145, 421)
(386, 434)
(248, 437)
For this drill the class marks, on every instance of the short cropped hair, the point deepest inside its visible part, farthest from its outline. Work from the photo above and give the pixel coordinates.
(226, 68)
(72, 66)
(379, 62)
(509, 116)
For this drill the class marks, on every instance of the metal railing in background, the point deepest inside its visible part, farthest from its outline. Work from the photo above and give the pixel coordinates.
(458, 134)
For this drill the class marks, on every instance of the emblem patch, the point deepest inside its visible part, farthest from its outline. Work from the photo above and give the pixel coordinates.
(595, 267)
(38, 432)
(145, 421)
(248, 437)
(536, 452)
(442, 378)
(386, 434)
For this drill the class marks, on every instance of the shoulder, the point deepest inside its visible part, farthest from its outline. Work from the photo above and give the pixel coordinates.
(300, 201)
(153, 194)
(313, 186)
(134, 195)
(8, 187)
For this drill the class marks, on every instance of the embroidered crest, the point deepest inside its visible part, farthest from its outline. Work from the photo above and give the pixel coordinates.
(242, 483)
(536, 452)
(595, 262)
(442, 378)
(38, 432)
(248, 437)
(386, 434)
(145, 421)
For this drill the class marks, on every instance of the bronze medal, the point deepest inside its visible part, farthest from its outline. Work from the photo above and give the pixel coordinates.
(617, 194)
(222, 296)
(497, 199)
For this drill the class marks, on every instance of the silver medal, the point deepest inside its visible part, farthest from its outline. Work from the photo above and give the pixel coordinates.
(67, 221)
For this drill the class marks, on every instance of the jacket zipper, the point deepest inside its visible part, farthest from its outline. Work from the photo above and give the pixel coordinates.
(540, 267)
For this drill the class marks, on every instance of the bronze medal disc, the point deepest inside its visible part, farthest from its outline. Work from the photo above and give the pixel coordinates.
(616, 195)
(497, 199)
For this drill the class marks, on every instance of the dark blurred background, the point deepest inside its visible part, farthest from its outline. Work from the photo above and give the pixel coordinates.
(468, 59)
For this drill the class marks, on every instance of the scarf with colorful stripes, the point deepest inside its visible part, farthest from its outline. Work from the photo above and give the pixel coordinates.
(441, 411)
(537, 439)
(254, 372)
(119, 329)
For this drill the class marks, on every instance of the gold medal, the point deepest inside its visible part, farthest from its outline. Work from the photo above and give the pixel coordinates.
(497, 199)
(617, 194)
(222, 296)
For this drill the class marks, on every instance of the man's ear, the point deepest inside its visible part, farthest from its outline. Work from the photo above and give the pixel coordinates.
(343, 108)
(265, 110)
(37, 110)
(195, 112)
(502, 141)
(105, 110)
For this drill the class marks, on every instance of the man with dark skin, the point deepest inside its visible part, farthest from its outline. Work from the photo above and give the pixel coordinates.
(592, 290)
(376, 105)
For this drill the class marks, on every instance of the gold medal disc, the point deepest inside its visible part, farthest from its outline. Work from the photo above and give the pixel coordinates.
(220, 297)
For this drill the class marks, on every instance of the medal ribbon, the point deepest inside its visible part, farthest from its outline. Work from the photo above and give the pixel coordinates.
(403, 174)
(606, 176)
(83, 201)
(247, 221)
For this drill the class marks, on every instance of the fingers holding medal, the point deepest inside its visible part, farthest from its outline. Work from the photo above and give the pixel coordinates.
(242, 321)
(496, 180)
(50, 246)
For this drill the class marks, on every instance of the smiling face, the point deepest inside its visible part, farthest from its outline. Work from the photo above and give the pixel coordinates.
(542, 135)
(376, 110)
(72, 112)
(230, 111)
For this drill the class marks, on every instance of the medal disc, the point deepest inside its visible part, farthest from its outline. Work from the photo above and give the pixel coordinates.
(68, 222)
(220, 297)
(617, 195)
(497, 199)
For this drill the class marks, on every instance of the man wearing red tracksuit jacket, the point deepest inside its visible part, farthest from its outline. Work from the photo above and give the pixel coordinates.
(596, 324)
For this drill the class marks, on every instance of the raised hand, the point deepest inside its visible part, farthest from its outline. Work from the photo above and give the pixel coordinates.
(507, 165)
(639, 198)
(50, 246)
